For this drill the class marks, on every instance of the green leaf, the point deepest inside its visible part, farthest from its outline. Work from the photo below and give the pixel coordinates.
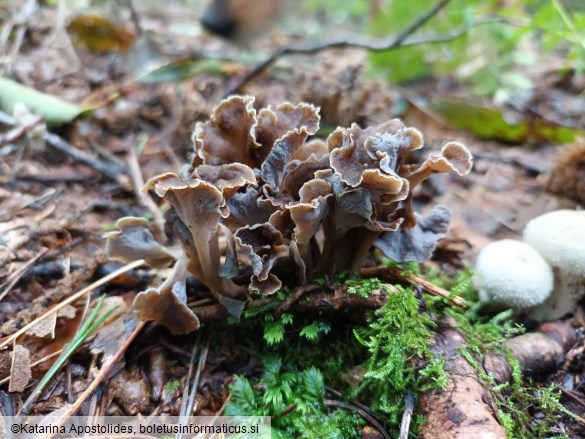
(172, 385)
(183, 70)
(273, 396)
(490, 123)
(287, 318)
(53, 110)
(272, 365)
(483, 122)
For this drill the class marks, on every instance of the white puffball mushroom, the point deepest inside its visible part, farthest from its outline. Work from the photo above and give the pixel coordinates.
(511, 274)
(559, 237)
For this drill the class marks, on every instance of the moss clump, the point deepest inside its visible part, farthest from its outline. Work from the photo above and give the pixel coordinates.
(397, 338)
(391, 348)
(295, 401)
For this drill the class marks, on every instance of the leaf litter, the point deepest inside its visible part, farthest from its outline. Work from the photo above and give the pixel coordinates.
(506, 188)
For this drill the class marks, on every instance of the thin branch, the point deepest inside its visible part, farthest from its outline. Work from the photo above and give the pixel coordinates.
(395, 274)
(135, 18)
(287, 410)
(407, 415)
(398, 41)
(20, 130)
(20, 22)
(108, 170)
(575, 396)
(420, 21)
(395, 41)
(358, 404)
(184, 410)
(104, 371)
(190, 390)
(200, 366)
(319, 300)
(290, 301)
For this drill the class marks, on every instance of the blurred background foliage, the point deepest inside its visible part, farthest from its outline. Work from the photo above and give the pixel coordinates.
(495, 59)
(491, 59)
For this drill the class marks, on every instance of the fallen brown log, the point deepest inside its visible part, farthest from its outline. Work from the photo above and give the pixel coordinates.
(543, 352)
(466, 408)
(539, 353)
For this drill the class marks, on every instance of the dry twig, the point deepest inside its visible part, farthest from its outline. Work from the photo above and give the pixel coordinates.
(395, 274)
(319, 301)
(395, 41)
(290, 301)
(407, 416)
(17, 275)
(20, 130)
(109, 170)
(104, 371)
(20, 23)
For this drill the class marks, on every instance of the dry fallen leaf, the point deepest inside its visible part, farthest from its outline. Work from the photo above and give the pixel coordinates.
(101, 34)
(112, 336)
(5, 362)
(47, 326)
(20, 373)
(44, 327)
(131, 391)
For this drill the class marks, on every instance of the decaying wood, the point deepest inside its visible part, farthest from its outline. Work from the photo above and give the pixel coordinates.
(466, 408)
(407, 416)
(309, 300)
(539, 353)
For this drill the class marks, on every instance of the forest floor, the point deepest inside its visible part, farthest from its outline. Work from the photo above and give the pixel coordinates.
(62, 190)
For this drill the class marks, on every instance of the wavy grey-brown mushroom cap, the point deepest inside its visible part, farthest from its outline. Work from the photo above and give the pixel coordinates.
(512, 274)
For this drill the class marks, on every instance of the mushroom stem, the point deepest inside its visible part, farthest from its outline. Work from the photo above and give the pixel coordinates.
(364, 241)
(568, 290)
(327, 261)
(559, 236)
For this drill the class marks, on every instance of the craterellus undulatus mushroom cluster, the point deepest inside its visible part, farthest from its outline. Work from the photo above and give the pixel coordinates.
(262, 203)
